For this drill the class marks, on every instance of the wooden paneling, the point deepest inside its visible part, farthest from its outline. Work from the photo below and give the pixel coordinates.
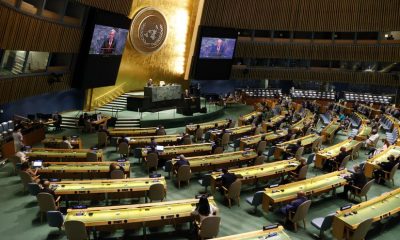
(304, 15)
(349, 52)
(24, 32)
(382, 79)
(117, 6)
(13, 89)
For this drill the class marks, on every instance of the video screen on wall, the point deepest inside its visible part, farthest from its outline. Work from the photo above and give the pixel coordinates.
(108, 40)
(217, 48)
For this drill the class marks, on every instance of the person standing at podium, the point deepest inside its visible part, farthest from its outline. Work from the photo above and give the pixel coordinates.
(186, 94)
(149, 83)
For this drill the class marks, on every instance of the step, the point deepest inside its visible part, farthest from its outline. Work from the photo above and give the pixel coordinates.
(108, 108)
(71, 121)
(121, 101)
(68, 126)
(126, 124)
(127, 120)
(116, 105)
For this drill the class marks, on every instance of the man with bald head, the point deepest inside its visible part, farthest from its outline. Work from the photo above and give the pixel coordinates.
(46, 189)
(293, 205)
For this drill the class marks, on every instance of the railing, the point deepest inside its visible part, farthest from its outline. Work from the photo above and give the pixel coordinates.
(108, 96)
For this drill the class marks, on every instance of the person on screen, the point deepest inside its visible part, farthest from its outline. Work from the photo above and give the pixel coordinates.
(218, 49)
(109, 44)
(150, 82)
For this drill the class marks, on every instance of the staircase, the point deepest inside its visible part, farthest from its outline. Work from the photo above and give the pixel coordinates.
(126, 123)
(69, 122)
(117, 105)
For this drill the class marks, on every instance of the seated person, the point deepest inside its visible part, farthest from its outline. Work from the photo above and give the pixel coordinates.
(293, 205)
(46, 189)
(33, 174)
(160, 130)
(372, 138)
(181, 162)
(290, 134)
(230, 122)
(301, 165)
(384, 167)
(291, 150)
(204, 209)
(122, 139)
(215, 127)
(344, 124)
(115, 166)
(65, 140)
(330, 165)
(375, 151)
(21, 155)
(227, 179)
(153, 144)
(261, 139)
(356, 180)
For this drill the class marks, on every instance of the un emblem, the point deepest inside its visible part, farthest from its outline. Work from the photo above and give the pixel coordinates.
(148, 30)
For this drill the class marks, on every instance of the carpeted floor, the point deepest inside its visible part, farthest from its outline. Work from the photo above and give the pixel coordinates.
(19, 217)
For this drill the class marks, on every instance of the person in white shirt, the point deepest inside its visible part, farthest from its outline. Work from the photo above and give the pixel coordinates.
(18, 140)
(204, 209)
(372, 139)
(65, 140)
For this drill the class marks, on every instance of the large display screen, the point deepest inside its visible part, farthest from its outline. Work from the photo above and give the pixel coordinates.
(217, 48)
(108, 40)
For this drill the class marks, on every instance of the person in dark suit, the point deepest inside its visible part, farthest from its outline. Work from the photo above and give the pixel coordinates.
(46, 189)
(149, 82)
(357, 179)
(218, 49)
(293, 205)
(186, 94)
(227, 179)
(58, 121)
(109, 45)
(384, 167)
(122, 139)
(153, 144)
(295, 173)
(292, 149)
(160, 130)
(291, 132)
(330, 164)
(181, 162)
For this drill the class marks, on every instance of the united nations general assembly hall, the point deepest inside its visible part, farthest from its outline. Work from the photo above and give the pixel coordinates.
(199, 119)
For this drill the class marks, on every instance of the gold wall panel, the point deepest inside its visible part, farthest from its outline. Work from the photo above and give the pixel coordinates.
(169, 63)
